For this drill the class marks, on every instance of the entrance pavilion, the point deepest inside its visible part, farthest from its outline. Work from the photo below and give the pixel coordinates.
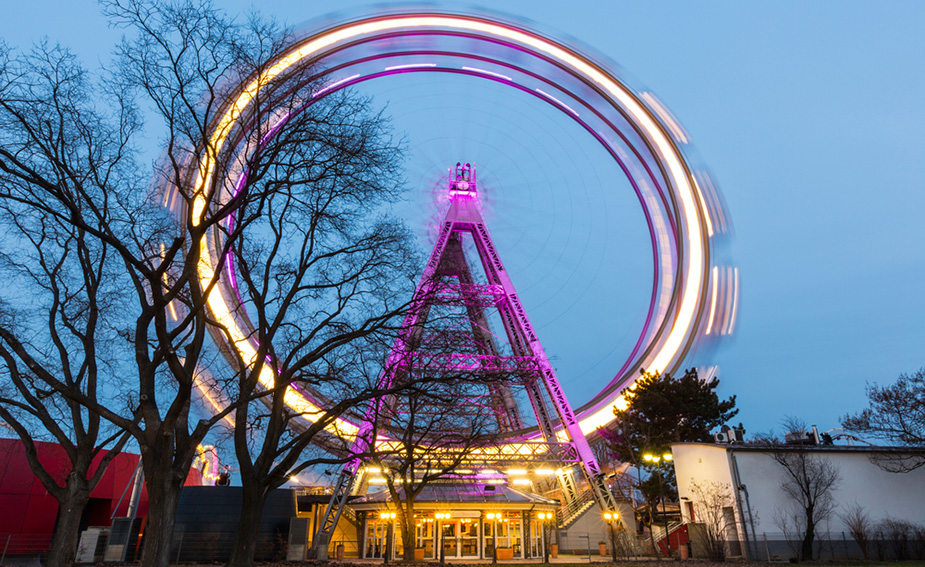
(467, 519)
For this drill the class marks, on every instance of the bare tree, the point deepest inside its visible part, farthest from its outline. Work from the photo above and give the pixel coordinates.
(898, 535)
(857, 519)
(788, 521)
(66, 162)
(434, 427)
(322, 274)
(809, 479)
(711, 501)
(896, 414)
(61, 305)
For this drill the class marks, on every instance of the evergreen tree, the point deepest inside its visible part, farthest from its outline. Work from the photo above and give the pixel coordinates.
(663, 410)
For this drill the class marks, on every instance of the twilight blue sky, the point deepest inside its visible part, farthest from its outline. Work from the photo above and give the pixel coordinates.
(810, 116)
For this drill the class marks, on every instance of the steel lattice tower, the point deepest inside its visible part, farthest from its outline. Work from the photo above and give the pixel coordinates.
(448, 279)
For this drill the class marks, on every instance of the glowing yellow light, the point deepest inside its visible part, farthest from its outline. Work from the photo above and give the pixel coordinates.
(517, 471)
(657, 458)
(173, 312)
(621, 403)
(521, 481)
(204, 383)
(544, 472)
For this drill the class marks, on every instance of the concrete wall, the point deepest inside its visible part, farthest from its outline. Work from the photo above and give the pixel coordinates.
(882, 494)
(590, 528)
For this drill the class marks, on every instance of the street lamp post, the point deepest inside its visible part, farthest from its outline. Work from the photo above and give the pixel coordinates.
(494, 535)
(657, 459)
(612, 517)
(440, 516)
(390, 535)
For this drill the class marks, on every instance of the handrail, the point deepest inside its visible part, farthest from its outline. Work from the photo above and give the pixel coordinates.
(571, 510)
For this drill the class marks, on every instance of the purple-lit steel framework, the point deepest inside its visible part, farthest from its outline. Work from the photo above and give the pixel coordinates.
(694, 295)
(448, 280)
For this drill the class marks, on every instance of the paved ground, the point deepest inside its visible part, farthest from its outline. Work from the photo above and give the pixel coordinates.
(562, 559)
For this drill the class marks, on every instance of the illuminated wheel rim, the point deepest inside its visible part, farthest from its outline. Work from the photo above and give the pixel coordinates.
(692, 298)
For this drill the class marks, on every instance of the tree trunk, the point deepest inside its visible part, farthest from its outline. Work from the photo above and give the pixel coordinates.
(245, 541)
(655, 549)
(67, 528)
(163, 496)
(806, 553)
(407, 533)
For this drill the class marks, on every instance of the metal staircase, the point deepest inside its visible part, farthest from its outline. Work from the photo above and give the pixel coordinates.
(571, 511)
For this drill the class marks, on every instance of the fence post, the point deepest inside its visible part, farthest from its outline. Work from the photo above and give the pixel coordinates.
(767, 550)
(845, 540)
(5, 547)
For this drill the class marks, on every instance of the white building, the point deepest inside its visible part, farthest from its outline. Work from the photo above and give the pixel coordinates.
(757, 505)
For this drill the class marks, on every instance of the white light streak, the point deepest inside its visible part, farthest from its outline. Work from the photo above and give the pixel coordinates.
(715, 283)
(484, 72)
(334, 85)
(410, 66)
(557, 101)
(668, 119)
(735, 301)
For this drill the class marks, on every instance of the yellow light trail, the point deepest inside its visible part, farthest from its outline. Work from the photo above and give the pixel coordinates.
(666, 153)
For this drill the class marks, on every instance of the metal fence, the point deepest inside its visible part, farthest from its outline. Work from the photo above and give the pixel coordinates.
(629, 545)
(839, 546)
(768, 546)
(23, 544)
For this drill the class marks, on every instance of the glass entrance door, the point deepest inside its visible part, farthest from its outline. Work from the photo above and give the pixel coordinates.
(469, 538)
(509, 536)
(460, 538)
(376, 533)
(424, 537)
(449, 532)
(535, 548)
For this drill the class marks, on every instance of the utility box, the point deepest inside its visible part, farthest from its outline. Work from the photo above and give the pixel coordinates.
(123, 540)
(298, 538)
(92, 545)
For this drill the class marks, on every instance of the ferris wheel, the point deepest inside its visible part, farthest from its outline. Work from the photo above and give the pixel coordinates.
(693, 296)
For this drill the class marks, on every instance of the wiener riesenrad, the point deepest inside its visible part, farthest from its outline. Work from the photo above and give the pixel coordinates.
(466, 284)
